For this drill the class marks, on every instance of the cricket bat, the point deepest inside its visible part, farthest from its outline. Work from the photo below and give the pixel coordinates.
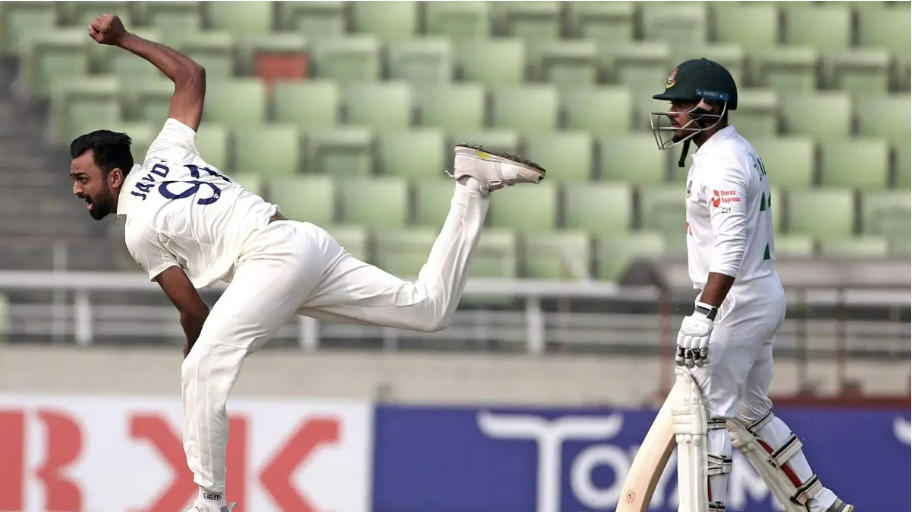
(649, 462)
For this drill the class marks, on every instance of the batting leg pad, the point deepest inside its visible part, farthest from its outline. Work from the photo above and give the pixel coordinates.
(689, 420)
(770, 458)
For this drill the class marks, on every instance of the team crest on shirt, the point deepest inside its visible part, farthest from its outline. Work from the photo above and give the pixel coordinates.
(689, 184)
(670, 81)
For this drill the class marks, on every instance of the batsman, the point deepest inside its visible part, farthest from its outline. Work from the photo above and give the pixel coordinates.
(724, 352)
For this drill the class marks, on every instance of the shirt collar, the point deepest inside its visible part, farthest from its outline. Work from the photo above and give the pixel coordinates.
(719, 136)
(124, 197)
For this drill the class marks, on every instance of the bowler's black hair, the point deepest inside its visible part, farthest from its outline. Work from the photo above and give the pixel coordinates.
(110, 149)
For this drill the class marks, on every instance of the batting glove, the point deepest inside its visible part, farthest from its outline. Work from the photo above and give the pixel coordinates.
(693, 337)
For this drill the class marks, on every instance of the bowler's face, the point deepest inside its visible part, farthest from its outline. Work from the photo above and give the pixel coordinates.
(91, 185)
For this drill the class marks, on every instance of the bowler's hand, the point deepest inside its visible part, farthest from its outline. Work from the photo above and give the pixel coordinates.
(693, 340)
(107, 29)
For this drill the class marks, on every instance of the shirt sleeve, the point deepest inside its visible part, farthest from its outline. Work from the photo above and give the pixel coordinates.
(726, 197)
(176, 141)
(144, 245)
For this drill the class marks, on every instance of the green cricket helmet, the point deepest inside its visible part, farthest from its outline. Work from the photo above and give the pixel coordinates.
(700, 81)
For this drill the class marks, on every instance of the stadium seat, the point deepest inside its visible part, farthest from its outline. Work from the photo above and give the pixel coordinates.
(495, 256)
(341, 152)
(452, 107)
(60, 54)
(80, 14)
(316, 20)
(173, 18)
(212, 143)
(272, 57)
(506, 141)
(212, 50)
(599, 208)
(785, 69)
(793, 246)
(567, 155)
(390, 21)
(354, 58)
(861, 247)
(678, 23)
(530, 21)
(251, 181)
(131, 71)
(417, 154)
(380, 106)
(568, 64)
(789, 161)
(556, 255)
(21, 20)
(311, 105)
(305, 198)
(860, 72)
(615, 253)
(822, 115)
(149, 100)
(425, 61)
(887, 214)
(729, 55)
(235, 103)
(862, 163)
(527, 208)
(353, 239)
(239, 18)
(432, 201)
(526, 109)
(270, 150)
(902, 166)
(493, 62)
(823, 213)
(757, 114)
(632, 158)
(605, 22)
(380, 203)
(750, 24)
(825, 27)
(884, 116)
(81, 105)
(662, 210)
(402, 252)
(458, 20)
(643, 68)
(884, 25)
(603, 110)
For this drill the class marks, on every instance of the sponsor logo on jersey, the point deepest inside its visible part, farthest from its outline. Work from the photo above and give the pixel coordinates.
(725, 196)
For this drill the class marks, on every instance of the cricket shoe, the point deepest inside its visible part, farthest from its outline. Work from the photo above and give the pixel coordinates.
(200, 506)
(494, 170)
(840, 506)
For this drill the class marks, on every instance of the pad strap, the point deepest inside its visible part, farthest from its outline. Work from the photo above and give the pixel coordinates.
(715, 424)
(807, 491)
(785, 452)
(718, 464)
(716, 506)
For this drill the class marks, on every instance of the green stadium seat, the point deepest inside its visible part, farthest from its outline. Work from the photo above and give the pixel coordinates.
(495, 257)
(823, 213)
(785, 69)
(632, 158)
(861, 72)
(270, 150)
(505, 141)
(458, 20)
(662, 210)
(884, 116)
(380, 203)
(884, 25)
(251, 181)
(61, 54)
(643, 68)
(354, 58)
(568, 64)
(526, 208)
(354, 239)
(173, 18)
(311, 105)
(380, 106)
(131, 71)
(680, 23)
(81, 13)
(862, 247)
(22, 20)
(239, 18)
(305, 198)
(526, 109)
(432, 201)
(902, 166)
(417, 154)
(862, 163)
(81, 105)
(789, 161)
(793, 246)
(149, 100)
(403, 252)
(390, 21)
(452, 107)
(212, 50)
(616, 252)
(341, 152)
(825, 27)
(235, 103)
(275, 44)
(567, 155)
(757, 114)
(750, 24)
(493, 62)
(212, 143)
(599, 208)
(605, 22)
(822, 115)
(426, 61)
(603, 110)
(556, 255)
(317, 20)
(887, 214)
(530, 21)
(729, 55)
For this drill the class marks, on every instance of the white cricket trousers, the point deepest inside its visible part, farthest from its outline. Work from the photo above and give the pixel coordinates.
(291, 267)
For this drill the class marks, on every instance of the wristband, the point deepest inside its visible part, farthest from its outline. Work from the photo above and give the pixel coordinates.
(706, 310)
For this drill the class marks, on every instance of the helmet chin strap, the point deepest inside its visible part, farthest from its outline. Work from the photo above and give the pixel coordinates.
(684, 151)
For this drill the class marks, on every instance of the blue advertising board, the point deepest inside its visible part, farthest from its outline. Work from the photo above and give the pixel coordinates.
(435, 459)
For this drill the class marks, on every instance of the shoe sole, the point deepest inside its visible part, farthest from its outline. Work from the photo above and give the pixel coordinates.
(483, 153)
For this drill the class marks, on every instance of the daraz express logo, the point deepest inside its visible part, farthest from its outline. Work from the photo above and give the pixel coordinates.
(724, 196)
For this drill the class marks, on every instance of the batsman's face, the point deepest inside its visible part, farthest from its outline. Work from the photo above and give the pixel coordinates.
(93, 185)
(679, 117)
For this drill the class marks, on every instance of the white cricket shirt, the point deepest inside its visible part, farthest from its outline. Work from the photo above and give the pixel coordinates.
(729, 222)
(182, 211)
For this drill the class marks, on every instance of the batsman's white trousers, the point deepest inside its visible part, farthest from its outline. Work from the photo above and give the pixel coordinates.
(736, 381)
(293, 267)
